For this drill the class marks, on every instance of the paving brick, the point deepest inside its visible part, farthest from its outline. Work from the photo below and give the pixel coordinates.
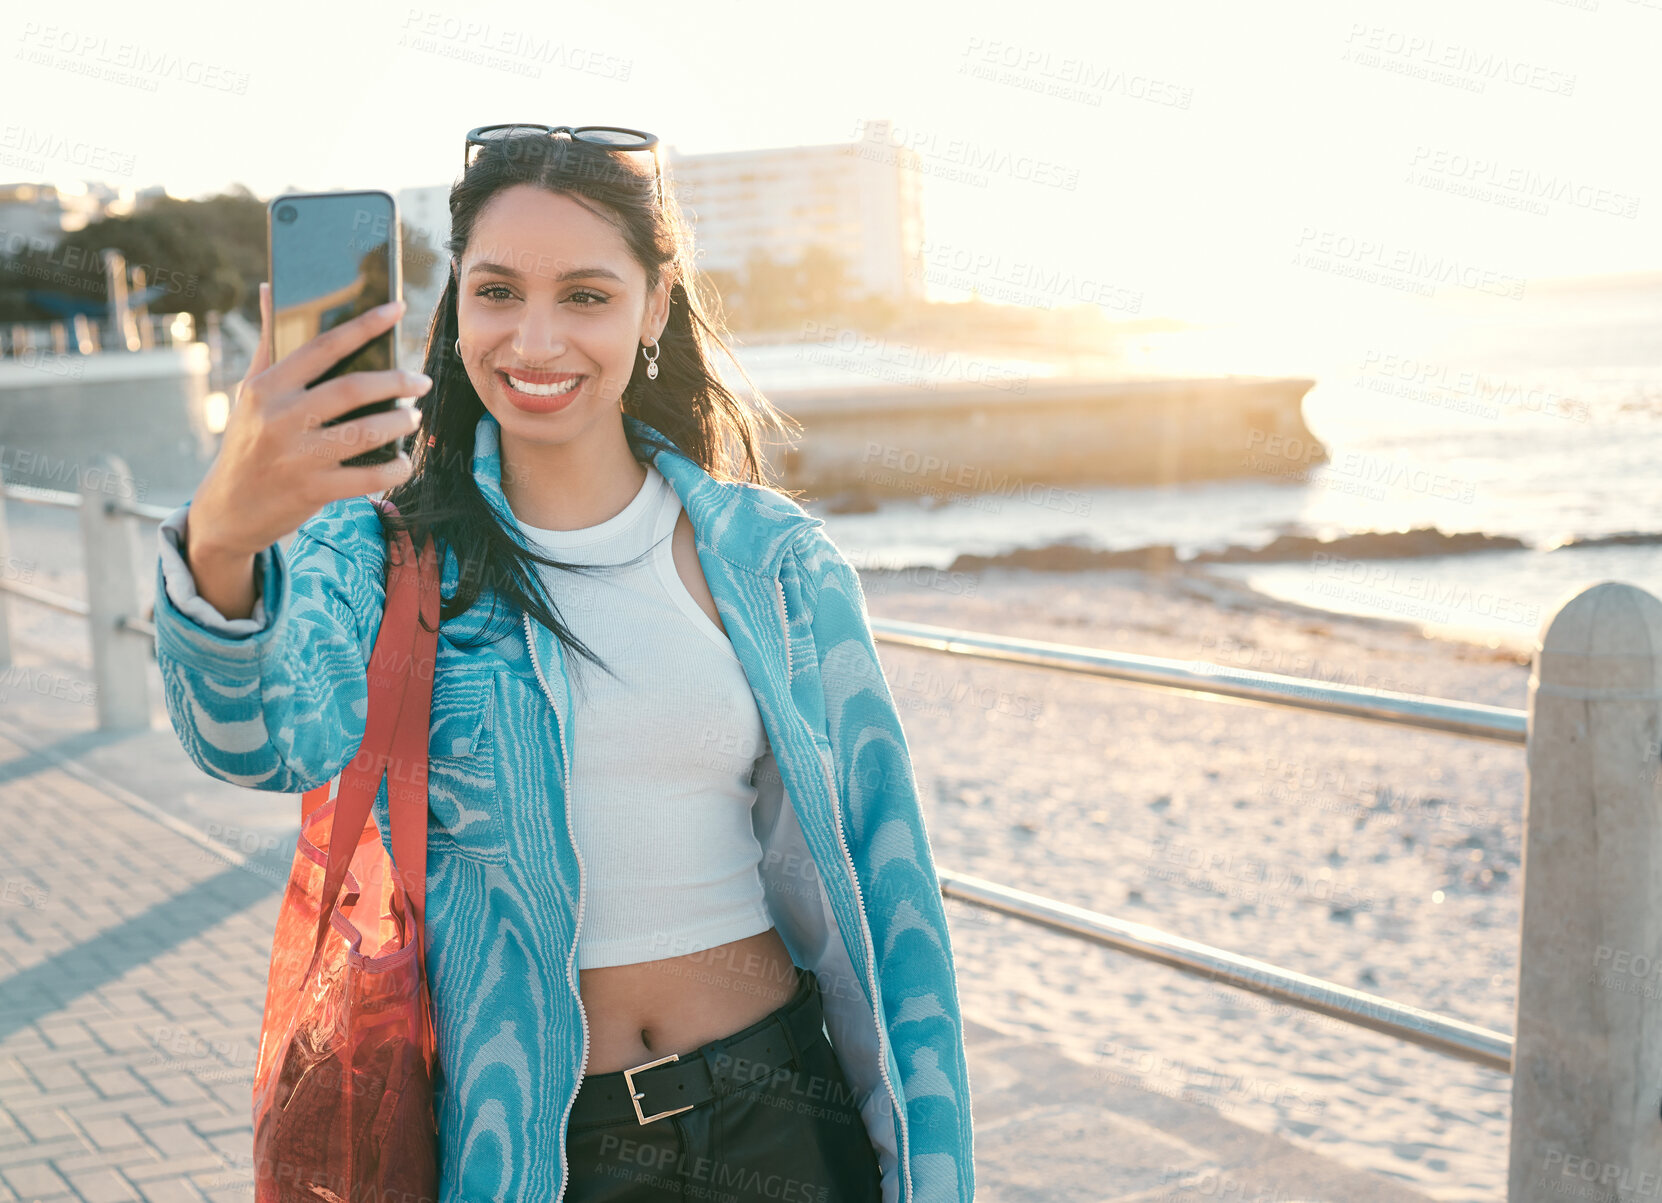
(175, 1140)
(177, 1168)
(13, 1137)
(237, 1121)
(145, 1109)
(119, 1084)
(103, 1186)
(36, 1180)
(60, 1102)
(236, 1147)
(235, 1094)
(102, 1062)
(26, 1044)
(118, 1035)
(83, 1160)
(237, 1193)
(57, 1074)
(11, 1071)
(177, 1088)
(72, 976)
(43, 1124)
(150, 1110)
(65, 1035)
(179, 1006)
(110, 1132)
(173, 1190)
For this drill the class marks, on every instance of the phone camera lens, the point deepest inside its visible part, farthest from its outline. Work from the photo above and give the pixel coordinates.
(286, 213)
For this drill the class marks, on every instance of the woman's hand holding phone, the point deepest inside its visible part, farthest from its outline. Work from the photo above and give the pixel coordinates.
(279, 464)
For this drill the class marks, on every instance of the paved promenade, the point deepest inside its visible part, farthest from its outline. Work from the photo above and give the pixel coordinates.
(137, 899)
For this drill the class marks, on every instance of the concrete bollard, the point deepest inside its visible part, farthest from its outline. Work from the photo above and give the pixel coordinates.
(1587, 1066)
(110, 541)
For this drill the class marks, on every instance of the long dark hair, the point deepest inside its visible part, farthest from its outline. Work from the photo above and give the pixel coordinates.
(687, 401)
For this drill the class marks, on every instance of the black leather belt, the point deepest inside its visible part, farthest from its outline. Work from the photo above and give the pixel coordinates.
(676, 1083)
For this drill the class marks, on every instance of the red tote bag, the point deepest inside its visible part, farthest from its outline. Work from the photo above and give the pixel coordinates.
(343, 1081)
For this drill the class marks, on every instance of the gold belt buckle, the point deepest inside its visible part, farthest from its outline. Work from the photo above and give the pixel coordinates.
(635, 1096)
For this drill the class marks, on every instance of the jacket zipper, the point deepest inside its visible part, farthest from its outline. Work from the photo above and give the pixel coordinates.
(565, 1171)
(865, 930)
(785, 623)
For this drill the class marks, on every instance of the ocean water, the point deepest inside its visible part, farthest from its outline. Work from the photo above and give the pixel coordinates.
(1538, 418)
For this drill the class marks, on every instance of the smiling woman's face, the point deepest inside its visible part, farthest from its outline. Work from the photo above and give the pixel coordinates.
(552, 311)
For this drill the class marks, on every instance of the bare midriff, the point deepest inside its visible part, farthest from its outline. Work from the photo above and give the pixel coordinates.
(641, 1012)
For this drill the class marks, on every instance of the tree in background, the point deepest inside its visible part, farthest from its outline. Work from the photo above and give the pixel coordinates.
(206, 255)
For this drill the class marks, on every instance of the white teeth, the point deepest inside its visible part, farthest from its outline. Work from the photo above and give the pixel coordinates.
(545, 390)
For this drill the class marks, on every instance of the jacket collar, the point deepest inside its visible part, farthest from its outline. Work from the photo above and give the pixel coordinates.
(748, 526)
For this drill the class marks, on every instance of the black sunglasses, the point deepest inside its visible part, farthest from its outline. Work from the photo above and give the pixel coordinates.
(611, 137)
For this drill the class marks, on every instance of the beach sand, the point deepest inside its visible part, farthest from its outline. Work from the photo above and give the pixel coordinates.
(1314, 842)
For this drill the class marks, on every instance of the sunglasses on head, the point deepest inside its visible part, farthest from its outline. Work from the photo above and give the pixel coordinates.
(611, 137)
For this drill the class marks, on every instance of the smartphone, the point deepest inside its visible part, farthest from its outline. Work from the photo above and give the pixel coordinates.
(332, 256)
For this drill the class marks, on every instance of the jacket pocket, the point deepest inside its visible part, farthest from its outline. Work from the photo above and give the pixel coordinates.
(462, 798)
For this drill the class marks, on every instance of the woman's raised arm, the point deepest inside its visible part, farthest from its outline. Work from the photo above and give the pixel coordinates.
(276, 701)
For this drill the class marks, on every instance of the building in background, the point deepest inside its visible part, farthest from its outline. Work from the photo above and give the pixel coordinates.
(780, 201)
(777, 202)
(424, 211)
(38, 215)
(427, 211)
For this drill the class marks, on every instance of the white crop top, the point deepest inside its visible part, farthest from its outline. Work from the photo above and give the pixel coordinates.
(662, 752)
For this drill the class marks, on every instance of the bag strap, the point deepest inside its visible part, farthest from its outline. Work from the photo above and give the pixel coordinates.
(407, 780)
(388, 674)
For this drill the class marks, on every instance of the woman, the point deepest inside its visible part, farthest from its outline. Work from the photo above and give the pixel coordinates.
(684, 932)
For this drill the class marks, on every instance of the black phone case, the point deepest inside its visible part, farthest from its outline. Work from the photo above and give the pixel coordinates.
(395, 286)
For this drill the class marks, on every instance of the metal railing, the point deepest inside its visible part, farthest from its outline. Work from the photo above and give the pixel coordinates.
(82, 335)
(1594, 706)
(1198, 677)
(1479, 1045)
(1492, 1050)
(121, 638)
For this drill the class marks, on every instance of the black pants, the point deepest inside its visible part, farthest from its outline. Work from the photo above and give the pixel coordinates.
(784, 1133)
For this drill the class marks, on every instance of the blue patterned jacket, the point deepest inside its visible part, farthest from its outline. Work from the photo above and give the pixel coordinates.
(847, 866)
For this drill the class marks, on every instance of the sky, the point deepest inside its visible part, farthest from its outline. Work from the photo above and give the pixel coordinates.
(1195, 159)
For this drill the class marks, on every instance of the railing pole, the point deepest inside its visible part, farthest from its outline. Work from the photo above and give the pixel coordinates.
(1587, 1063)
(120, 661)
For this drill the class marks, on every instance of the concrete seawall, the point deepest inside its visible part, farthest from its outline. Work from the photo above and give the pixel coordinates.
(59, 412)
(969, 437)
